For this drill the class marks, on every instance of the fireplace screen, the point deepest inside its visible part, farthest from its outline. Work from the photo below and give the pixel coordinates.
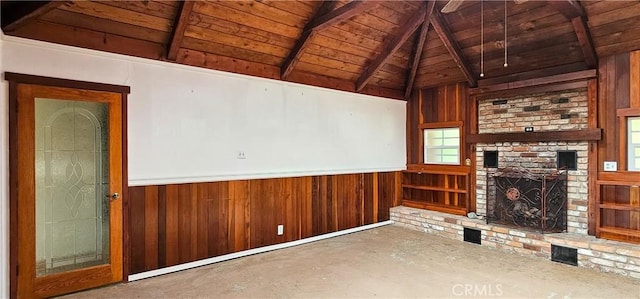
(519, 198)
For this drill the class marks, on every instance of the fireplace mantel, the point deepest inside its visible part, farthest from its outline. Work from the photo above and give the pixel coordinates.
(546, 136)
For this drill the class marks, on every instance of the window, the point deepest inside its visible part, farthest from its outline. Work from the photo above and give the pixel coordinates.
(442, 146)
(633, 143)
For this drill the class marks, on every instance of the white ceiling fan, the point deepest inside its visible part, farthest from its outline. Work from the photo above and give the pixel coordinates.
(453, 5)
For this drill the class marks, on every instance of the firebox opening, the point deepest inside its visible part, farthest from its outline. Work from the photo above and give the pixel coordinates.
(490, 159)
(567, 160)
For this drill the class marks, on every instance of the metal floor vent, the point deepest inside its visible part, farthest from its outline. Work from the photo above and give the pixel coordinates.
(564, 255)
(472, 235)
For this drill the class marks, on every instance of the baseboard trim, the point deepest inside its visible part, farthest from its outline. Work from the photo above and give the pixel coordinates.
(244, 253)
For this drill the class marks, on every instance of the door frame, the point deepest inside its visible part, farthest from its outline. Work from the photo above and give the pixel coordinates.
(14, 80)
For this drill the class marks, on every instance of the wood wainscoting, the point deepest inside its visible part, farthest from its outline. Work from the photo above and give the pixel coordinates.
(175, 224)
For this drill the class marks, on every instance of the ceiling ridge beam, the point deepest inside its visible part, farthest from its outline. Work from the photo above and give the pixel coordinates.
(574, 11)
(399, 37)
(179, 26)
(24, 12)
(452, 46)
(325, 17)
(418, 49)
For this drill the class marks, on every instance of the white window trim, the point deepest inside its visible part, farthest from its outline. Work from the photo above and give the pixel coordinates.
(631, 147)
(457, 147)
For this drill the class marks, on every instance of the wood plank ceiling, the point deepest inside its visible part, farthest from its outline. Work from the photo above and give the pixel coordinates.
(386, 48)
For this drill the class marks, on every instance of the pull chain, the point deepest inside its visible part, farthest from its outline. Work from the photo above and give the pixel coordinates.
(505, 34)
(481, 39)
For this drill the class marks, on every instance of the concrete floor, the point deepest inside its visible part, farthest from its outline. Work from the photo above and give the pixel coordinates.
(385, 262)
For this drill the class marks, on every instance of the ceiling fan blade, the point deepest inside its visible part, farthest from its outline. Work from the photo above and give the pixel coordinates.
(451, 6)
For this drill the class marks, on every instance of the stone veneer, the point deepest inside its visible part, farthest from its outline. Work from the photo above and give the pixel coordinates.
(603, 255)
(554, 111)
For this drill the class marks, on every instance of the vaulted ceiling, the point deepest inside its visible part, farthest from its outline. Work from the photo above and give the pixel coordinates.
(385, 48)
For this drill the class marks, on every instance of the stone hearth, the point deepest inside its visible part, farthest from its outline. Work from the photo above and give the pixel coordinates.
(599, 254)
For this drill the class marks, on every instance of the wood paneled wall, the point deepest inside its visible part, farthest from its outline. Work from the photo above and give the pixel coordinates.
(175, 224)
(447, 188)
(617, 203)
(449, 103)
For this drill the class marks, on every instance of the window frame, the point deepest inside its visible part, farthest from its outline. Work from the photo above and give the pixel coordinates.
(442, 125)
(624, 132)
(632, 147)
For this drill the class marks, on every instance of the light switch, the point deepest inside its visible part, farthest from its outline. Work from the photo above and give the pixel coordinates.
(610, 166)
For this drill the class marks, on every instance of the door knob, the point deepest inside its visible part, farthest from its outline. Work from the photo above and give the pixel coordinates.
(114, 196)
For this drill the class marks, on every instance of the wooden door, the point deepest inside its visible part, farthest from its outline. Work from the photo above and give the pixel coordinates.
(68, 148)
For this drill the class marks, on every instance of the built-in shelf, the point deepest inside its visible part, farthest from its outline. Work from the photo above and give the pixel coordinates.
(438, 169)
(618, 183)
(431, 188)
(619, 207)
(619, 230)
(546, 136)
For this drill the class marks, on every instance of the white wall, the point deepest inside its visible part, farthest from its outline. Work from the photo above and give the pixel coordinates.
(4, 184)
(203, 121)
(188, 124)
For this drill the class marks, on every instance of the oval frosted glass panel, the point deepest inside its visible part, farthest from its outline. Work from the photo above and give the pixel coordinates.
(72, 176)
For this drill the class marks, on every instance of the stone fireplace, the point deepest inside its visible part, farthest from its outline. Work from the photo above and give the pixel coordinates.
(553, 111)
(541, 163)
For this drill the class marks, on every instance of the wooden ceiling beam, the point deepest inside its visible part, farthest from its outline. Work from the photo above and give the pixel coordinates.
(581, 28)
(343, 13)
(16, 14)
(443, 31)
(294, 56)
(417, 50)
(546, 72)
(179, 26)
(568, 8)
(325, 17)
(229, 64)
(91, 39)
(394, 43)
(574, 11)
(547, 80)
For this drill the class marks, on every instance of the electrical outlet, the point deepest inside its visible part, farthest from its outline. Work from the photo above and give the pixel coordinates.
(610, 166)
(241, 155)
(280, 229)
